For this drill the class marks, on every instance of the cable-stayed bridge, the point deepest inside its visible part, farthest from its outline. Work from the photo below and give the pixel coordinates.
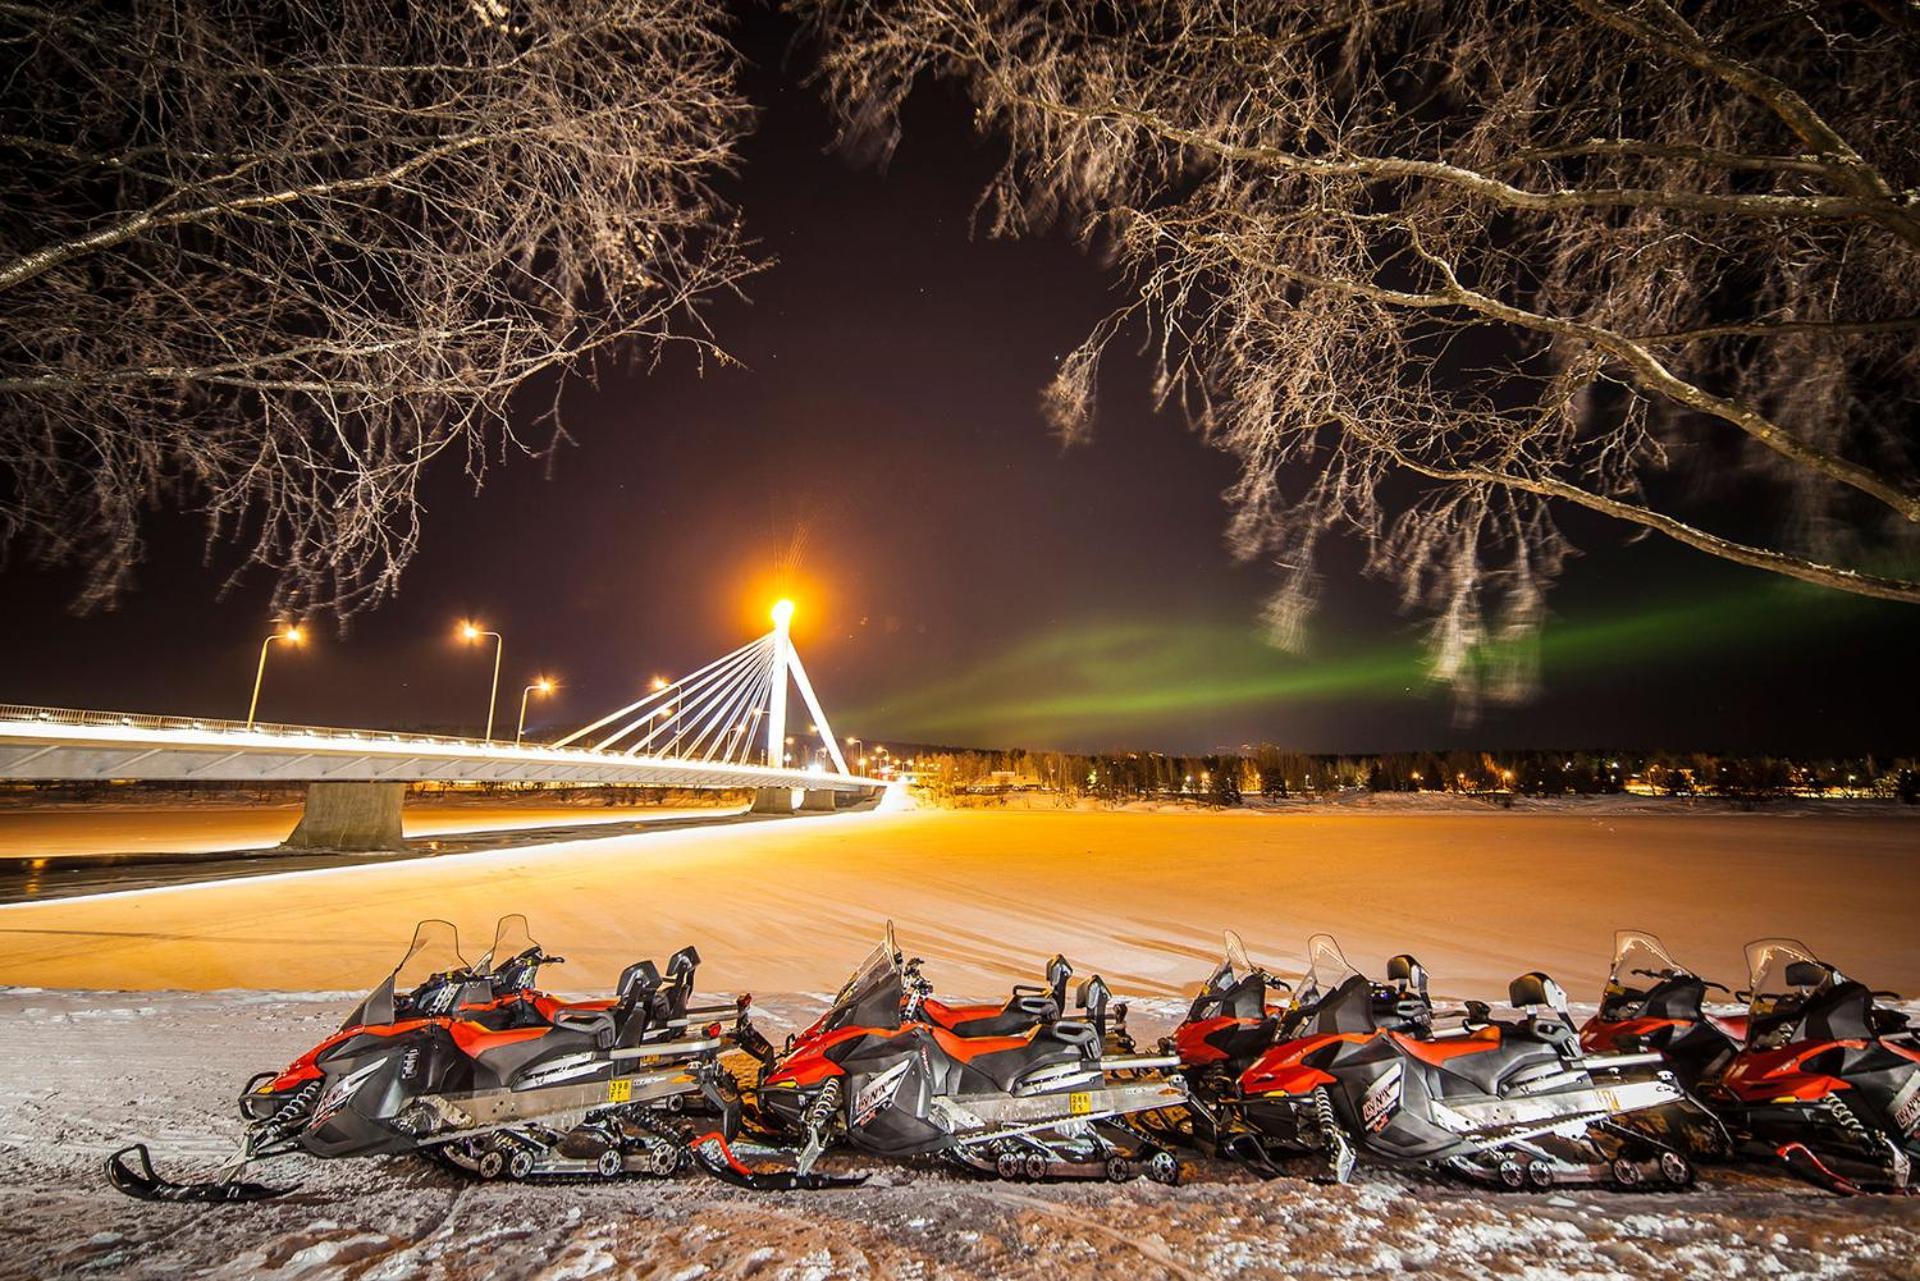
(722, 727)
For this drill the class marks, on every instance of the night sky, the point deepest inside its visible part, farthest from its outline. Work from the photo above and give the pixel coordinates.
(960, 578)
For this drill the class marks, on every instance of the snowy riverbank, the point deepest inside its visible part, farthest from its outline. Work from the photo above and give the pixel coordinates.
(83, 1072)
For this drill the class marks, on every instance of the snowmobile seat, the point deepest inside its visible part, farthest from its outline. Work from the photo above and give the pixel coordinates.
(1002, 1060)
(1408, 973)
(640, 979)
(1514, 1059)
(1535, 988)
(633, 1008)
(1015, 1017)
(599, 1024)
(679, 987)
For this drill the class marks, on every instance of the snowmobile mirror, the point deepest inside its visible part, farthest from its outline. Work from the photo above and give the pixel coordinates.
(1479, 1012)
(1535, 988)
(1806, 974)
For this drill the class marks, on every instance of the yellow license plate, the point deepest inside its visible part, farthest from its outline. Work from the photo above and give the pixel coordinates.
(620, 1090)
(1080, 1103)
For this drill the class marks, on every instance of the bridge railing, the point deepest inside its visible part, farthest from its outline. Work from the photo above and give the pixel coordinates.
(15, 713)
(139, 720)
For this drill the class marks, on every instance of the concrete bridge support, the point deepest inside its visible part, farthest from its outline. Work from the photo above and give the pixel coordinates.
(350, 816)
(772, 800)
(818, 799)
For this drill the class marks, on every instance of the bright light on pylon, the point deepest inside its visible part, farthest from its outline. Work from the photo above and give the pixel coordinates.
(782, 613)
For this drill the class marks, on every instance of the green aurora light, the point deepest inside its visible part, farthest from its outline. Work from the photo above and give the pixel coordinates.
(1104, 676)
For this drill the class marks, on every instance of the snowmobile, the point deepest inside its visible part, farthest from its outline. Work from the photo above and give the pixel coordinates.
(878, 1071)
(1652, 1002)
(1357, 1069)
(475, 1067)
(1827, 1079)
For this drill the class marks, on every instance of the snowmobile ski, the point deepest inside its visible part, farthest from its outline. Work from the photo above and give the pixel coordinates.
(147, 1184)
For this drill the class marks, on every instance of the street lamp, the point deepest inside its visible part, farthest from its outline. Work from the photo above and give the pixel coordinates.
(472, 633)
(292, 636)
(545, 687)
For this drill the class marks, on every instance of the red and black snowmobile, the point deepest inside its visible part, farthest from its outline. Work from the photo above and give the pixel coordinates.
(882, 1072)
(1827, 1079)
(1355, 1069)
(1653, 1003)
(476, 1067)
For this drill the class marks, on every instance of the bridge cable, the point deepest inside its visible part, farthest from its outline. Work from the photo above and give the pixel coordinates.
(658, 694)
(693, 695)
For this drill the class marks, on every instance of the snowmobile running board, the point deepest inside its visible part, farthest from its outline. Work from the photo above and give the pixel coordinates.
(1615, 1062)
(981, 1117)
(658, 1048)
(1139, 1062)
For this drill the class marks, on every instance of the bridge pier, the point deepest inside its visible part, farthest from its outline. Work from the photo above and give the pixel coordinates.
(772, 800)
(819, 799)
(362, 817)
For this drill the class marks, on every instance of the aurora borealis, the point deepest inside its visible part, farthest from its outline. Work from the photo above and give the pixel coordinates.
(1119, 681)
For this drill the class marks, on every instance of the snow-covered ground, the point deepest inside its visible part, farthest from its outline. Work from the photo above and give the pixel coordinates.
(82, 1073)
(111, 1033)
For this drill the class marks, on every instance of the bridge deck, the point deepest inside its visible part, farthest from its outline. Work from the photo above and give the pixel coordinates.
(62, 743)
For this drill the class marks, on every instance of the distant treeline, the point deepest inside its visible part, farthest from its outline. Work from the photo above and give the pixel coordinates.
(1228, 778)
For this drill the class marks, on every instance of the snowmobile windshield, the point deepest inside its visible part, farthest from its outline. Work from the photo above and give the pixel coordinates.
(1237, 959)
(511, 938)
(873, 995)
(1640, 960)
(1237, 987)
(1781, 973)
(1327, 969)
(435, 951)
(431, 959)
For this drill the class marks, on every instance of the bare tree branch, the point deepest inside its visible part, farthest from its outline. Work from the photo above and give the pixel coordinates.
(273, 262)
(1433, 271)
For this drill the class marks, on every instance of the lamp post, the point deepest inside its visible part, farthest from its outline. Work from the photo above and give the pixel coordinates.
(292, 636)
(545, 687)
(472, 633)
